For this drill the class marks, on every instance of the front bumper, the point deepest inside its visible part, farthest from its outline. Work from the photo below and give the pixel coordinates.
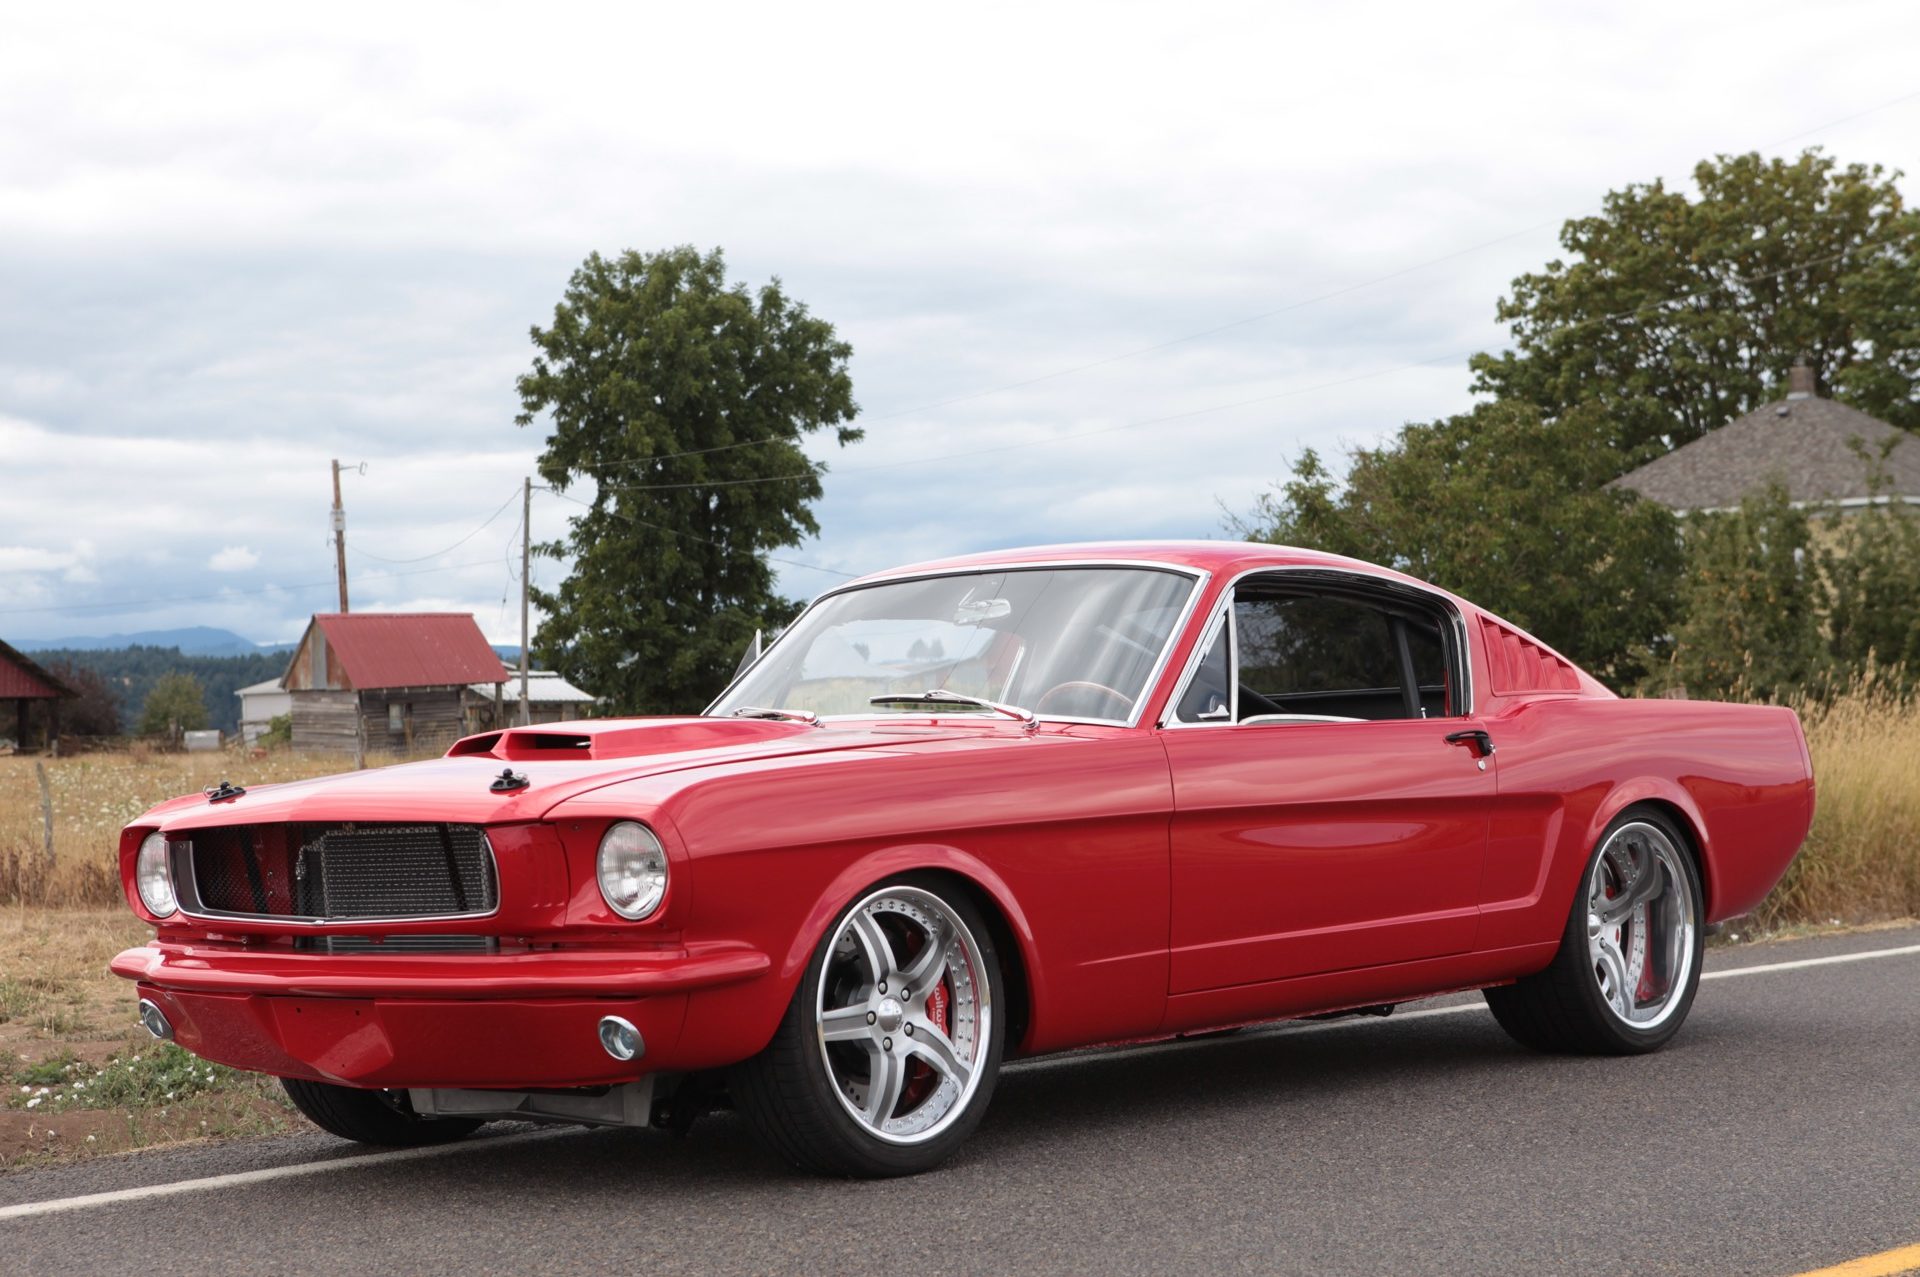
(497, 1020)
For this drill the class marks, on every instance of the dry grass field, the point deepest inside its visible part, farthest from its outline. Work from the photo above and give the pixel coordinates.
(94, 795)
(1861, 862)
(78, 1077)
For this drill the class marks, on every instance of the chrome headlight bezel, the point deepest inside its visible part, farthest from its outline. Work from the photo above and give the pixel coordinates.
(631, 866)
(153, 877)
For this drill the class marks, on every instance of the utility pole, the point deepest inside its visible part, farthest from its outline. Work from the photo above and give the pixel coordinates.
(526, 564)
(339, 535)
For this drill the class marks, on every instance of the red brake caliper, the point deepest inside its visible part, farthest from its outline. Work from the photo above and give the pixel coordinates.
(937, 1008)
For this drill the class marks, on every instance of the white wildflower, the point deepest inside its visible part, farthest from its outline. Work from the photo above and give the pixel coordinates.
(34, 1103)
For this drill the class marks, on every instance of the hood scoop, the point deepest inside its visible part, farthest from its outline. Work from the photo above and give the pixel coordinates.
(599, 740)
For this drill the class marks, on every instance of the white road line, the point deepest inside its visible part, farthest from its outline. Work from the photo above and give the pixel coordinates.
(1295, 1027)
(1809, 962)
(29, 1210)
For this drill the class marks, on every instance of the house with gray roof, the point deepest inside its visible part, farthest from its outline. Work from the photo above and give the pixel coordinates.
(1809, 443)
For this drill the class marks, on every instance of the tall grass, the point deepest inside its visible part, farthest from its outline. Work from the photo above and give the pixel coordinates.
(1861, 861)
(94, 795)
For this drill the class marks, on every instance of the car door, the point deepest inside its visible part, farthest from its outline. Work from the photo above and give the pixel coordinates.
(1331, 791)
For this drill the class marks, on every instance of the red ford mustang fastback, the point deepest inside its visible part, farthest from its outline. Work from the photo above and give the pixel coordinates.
(994, 806)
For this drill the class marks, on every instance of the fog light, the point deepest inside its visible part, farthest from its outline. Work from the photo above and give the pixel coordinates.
(155, 1021)
(618, 1036)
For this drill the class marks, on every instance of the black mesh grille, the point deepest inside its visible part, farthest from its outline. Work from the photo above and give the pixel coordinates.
(401, 944)
(339, 871)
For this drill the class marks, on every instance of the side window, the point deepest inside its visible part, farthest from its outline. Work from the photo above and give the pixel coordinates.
(1429, 655)
(1209, 694)
(1316, 654)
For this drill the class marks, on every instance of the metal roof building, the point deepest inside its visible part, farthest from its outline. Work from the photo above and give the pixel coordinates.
(1805, 441)
(24, 681)
(387, 681)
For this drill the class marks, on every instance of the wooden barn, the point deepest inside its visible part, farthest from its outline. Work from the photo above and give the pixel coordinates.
(387, 682)
(24, 683)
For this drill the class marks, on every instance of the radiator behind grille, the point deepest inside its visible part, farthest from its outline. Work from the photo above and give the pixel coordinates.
(337, 872)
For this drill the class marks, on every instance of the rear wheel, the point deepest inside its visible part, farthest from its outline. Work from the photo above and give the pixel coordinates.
(372, 1117)
(887, 1055)
(1629, 960)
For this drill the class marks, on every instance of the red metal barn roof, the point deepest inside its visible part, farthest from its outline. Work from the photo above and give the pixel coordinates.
(22, 678)
(409, 649)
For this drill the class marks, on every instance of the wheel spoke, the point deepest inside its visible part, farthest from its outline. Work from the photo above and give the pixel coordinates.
(929, 962)
(1646, 886)
(1618, 992)
(886, 1081)
(846, 1024)
(937, 1049)
(874, 947)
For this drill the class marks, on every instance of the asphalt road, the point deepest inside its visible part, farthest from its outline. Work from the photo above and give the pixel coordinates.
(1780, 1132)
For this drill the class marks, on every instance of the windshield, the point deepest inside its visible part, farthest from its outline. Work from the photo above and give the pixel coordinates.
(1062, 642)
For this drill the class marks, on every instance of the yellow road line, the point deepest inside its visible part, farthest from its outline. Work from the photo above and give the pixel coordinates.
(1885, 1264)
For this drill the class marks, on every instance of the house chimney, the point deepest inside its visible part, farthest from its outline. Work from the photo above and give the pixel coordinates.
(1800, 381)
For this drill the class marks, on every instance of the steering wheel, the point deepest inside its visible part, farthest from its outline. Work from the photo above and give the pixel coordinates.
(1050, 698)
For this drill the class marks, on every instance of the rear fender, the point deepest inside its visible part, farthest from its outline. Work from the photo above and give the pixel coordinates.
(1655, 790)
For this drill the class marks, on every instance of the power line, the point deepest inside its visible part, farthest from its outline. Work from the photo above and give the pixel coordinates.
(230, 594)
(1575, 326)
(622, 514)
(456, 545)
(1333, 293)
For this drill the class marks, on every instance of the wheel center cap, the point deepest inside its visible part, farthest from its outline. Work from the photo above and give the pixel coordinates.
(889, 1015)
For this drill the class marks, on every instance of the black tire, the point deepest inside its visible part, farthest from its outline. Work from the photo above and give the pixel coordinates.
(367, 1117)
(1562, 1008)
(787, 1094)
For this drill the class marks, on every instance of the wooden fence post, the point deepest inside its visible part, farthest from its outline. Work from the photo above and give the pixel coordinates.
(46, 807)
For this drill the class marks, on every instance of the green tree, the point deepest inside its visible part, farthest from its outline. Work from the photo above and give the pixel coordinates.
(684, 402)
(1681, 313)
(176, 704)
(1509, 510)
(1753, 603)
(1870, 562)
(95, 707)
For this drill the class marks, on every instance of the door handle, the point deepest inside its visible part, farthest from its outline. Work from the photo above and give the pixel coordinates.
(1479, 739)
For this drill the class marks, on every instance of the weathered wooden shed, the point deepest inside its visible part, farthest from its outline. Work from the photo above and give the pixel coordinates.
(25, 683)
(386, 681)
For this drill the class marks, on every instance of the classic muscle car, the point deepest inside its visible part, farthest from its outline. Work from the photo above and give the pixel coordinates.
(994, 806)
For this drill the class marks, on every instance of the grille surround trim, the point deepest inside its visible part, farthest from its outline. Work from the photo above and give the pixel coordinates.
(180, 856)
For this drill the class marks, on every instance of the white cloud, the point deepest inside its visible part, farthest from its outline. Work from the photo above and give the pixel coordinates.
(233, 558)
(239, 248)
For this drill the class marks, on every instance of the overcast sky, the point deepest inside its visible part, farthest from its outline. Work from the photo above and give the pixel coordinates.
(231, 251)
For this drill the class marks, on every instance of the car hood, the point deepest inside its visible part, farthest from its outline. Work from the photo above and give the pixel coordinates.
(559, 761)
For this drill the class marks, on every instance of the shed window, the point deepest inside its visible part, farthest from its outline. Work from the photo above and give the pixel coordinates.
(396, 716)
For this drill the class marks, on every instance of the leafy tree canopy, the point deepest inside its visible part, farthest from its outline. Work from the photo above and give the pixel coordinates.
(683, 401)
(176, 704)
(95, 707)
(1505, 509)
(1681, 313)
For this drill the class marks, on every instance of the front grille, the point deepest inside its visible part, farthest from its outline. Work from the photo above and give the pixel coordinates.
(337, 872)
(413, 943)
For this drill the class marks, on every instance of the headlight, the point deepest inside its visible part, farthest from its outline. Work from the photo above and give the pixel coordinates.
(633, 870)
(152, 876)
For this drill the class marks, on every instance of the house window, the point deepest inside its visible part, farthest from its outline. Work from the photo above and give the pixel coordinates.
(397, 716)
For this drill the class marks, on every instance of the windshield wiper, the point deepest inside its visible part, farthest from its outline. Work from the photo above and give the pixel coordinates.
(940, 696)
(806, 716)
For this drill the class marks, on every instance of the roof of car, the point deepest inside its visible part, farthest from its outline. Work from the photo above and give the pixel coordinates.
(1217, 557)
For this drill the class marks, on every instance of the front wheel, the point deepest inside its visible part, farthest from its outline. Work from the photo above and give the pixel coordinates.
(1629, 960)
(887, 1056)
(372, 1117)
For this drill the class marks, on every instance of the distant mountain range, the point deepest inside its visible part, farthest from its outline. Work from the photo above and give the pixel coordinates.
(193, 640)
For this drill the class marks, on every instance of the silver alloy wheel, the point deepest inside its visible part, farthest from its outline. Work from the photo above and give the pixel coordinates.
(904, 1014)
(1640, 925)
